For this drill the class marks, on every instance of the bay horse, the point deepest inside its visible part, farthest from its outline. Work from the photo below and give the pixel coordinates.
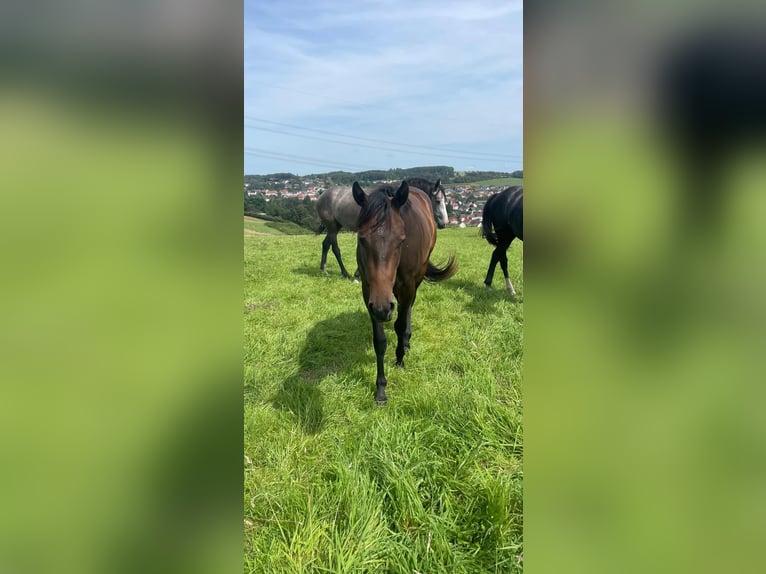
(504, 212)
(337, 209)
(396, 234)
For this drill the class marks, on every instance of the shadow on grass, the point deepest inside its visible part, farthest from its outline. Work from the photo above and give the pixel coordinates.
(337, 345)
(309, 271)
(317, 272)
(483, 300)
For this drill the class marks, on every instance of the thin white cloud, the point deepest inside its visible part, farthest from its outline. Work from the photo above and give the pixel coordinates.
(346, 64)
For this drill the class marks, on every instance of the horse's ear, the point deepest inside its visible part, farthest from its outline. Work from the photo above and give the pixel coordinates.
(358, 193)
(435, 190)
(400, 197)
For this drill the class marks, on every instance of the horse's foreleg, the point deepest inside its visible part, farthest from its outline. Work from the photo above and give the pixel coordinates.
(403, 327)
(325, 248)
(380, 344)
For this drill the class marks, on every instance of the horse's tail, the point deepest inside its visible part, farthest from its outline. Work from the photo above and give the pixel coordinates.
(486, 223)
(435, 274)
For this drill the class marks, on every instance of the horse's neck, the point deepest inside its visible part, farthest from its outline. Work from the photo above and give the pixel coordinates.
(420, 183)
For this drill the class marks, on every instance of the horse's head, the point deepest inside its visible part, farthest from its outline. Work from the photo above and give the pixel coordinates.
(439, 204)
(379, 242)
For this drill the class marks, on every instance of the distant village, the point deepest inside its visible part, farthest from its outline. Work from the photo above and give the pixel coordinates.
(465, 202)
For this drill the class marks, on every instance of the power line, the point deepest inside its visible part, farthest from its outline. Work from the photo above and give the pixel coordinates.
(303, 159)
(357, 144)
(379, 141)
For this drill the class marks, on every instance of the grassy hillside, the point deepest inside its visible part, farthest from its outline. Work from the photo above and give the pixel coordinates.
(255, 226)
(432, 482)
(499, 182)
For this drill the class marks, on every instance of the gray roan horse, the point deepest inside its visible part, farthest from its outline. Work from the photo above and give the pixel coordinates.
(505, 212)
(395, 237)
(337, 209)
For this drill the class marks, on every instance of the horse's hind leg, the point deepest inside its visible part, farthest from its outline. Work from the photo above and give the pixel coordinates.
(504, 266)
(325, 248)
(492, 265)
(336, 252)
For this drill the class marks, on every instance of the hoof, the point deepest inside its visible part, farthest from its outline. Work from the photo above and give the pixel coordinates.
(381, 403)
(489, 287)
(399, 364)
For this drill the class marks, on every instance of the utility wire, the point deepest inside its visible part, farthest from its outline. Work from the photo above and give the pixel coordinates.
(372, 140)
(357, 144)
(303, 159)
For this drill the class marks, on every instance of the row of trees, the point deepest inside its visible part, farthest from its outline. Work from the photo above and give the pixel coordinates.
(432, 173)
(471, 176)
(299, 211)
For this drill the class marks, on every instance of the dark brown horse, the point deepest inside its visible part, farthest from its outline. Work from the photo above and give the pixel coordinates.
(504, 212)
(337, 209)
(396, 234)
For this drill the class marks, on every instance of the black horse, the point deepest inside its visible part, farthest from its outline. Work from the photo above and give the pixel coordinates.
(504, 212)
(712, 88)
(337, 209)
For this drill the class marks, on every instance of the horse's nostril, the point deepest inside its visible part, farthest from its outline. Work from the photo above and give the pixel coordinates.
(392, 305)
(369, 306)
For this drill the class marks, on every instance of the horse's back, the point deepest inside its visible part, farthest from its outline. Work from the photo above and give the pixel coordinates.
(510, 211)
(517, 212)
(337, 205)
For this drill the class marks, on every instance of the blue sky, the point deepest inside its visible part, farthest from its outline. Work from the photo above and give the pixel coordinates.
(377, 84)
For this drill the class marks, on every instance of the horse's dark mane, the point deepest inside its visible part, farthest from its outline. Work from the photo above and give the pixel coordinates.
(377, 204)
(421, 183)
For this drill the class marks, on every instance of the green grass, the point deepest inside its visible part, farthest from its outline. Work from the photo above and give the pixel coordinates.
(498, 182)
(259, 226)
(432, 482)
(255, 226)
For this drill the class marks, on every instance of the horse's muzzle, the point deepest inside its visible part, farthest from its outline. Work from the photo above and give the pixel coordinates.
(382, 314)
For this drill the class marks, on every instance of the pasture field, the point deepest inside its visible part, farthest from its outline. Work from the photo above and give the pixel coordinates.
(429, 483)
(255, 226)
(498, 182)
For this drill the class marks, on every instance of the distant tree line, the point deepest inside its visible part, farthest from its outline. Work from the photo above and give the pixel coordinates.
(299, 211)
(432, 173)
(471, 176)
